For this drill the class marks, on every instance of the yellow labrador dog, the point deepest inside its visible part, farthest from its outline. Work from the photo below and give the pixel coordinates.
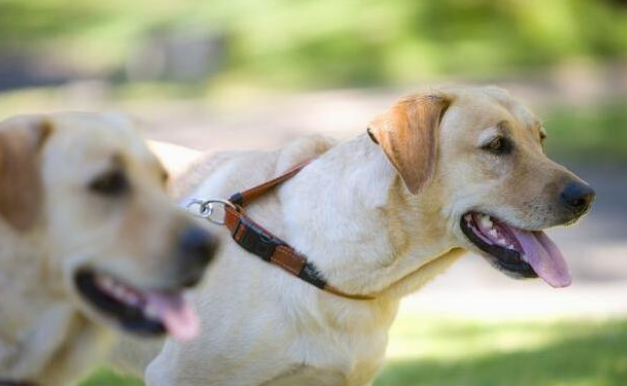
(454, 170)
(88, 237)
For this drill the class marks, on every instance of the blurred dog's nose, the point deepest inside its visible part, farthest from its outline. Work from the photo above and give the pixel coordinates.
(197, 247)
(577, 197)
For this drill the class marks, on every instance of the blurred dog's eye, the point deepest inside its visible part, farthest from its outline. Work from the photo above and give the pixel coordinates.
(498, 145)
(111, 183)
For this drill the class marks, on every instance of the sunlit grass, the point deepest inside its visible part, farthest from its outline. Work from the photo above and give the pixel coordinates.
(415, 337)
(428, 351)
(109, 378)
(536, 353)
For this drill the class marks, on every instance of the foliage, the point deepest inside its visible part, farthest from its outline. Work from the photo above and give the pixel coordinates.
(597, 133)
(318, 43)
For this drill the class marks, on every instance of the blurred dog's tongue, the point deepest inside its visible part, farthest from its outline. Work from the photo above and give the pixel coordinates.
(544, 257)
(179, 319)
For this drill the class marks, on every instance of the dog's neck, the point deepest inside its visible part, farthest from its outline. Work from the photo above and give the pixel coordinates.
(365, 230)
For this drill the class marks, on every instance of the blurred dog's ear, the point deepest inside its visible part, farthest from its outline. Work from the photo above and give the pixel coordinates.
(21, 139)
(408, 134)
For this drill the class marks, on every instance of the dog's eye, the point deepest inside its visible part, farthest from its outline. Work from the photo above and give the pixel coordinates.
(112, 183)
(498, 145)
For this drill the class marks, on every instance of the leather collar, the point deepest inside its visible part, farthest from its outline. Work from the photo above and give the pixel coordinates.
(259, 241)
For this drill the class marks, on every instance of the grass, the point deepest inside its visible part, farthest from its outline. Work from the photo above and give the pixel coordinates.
(427, 351)
(105, 377)
(535, 353)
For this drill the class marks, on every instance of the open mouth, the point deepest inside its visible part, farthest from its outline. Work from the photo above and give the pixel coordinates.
(521, 253)
(141, 312)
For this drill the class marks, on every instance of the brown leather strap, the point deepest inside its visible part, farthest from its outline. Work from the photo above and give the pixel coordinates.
(249, 195)
(259, 241)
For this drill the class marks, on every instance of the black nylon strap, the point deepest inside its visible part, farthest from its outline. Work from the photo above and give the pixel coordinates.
(312, 276)
(255, 239)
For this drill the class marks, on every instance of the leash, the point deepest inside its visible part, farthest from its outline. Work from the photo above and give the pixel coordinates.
(259, 241)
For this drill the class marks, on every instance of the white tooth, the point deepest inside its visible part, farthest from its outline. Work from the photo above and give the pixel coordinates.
(119, 292)
(133, 299)
(502, 242)
(486, 222)
(105, 281)
(151, 312)
(493, 233)
(511, 247)
(127, 295)
(524, 257)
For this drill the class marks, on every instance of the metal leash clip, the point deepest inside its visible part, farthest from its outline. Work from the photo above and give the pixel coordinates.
(207, 208)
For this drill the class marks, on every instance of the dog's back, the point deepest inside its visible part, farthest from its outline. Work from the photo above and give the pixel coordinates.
(221, 174)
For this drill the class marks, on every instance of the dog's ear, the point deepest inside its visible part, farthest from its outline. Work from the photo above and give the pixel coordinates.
(408, 134)
(21, 140)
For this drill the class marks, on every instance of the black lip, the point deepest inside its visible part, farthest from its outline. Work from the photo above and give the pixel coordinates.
(130, 319)
(503, 259)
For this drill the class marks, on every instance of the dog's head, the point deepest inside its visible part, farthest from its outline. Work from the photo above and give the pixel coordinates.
(479, 155)
(85, 221)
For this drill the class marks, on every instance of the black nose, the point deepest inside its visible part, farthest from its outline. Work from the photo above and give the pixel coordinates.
(197, 247)
(577, 197)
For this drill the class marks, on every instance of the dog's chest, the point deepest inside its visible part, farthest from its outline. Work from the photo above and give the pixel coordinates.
(313, 376)
(344, 348)
(341, 362)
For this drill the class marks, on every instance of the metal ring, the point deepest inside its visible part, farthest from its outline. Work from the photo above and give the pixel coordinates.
(194, 201)
(207, 208)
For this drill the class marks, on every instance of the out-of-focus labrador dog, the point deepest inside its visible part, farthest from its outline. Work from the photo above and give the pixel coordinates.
(454, 170)
(88, 238)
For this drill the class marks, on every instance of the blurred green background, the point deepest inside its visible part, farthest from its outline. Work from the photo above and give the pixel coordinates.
(325, 43)
(218, 49)
(255, 73)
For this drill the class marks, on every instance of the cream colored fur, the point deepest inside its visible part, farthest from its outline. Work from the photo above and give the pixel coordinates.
(49, 335)
(350, 213)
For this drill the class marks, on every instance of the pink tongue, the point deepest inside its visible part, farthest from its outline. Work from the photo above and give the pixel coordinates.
(544, 257)
(179, 319)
